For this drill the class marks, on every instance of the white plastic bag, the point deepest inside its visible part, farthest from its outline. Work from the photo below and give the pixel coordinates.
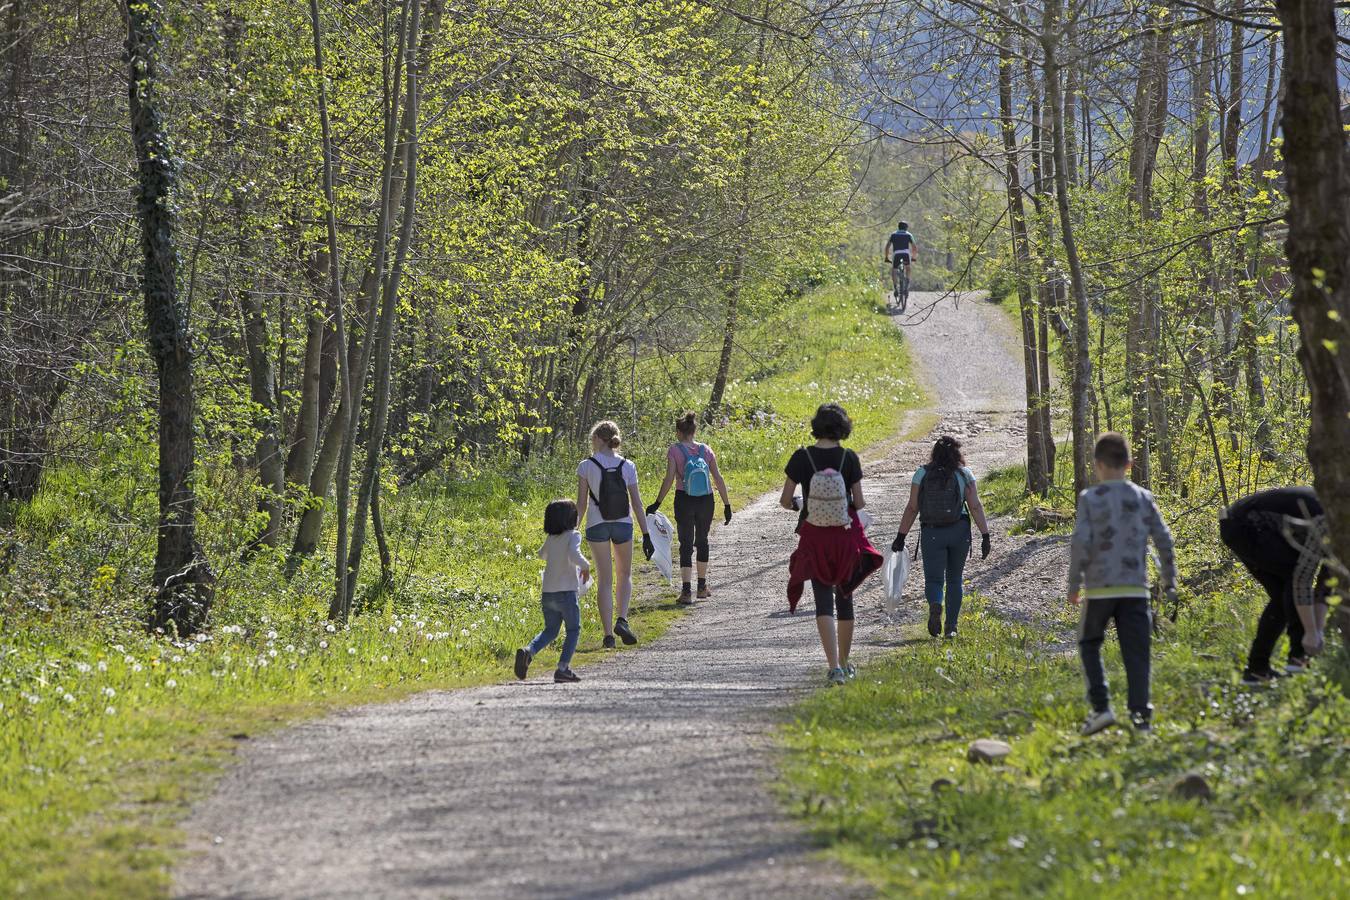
(661, 533)
(584, 584)
(865, 519)
(894, 574)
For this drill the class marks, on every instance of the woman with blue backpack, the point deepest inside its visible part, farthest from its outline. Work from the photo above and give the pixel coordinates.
(943, 496)
(608, 497)
(693, 466)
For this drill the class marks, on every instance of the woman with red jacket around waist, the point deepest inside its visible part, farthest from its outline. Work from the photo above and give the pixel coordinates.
(833, 552)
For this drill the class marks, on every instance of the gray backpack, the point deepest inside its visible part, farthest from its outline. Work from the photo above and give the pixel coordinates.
(941, 500)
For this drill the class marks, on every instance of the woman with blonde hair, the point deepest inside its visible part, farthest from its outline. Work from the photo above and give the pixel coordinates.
(609, 500)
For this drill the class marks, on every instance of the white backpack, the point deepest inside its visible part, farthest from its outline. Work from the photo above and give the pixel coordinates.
(827, 501)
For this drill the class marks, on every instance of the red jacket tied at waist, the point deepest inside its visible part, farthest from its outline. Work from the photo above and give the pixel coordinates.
(840, 557)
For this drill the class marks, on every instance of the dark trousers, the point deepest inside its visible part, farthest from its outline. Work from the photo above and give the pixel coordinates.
(945, 550)
(693, 521)
(1270, 560)
(1134, 630)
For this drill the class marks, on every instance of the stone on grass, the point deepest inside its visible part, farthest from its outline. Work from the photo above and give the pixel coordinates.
(987, 750)
(1192, 786)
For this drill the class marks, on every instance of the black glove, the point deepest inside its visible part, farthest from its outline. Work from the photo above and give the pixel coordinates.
(984, 545)
(653, 507)
(898, 545)
(648, 548)
(726, 513)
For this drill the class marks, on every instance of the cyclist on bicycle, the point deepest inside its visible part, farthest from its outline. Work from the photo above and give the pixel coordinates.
(901, 248)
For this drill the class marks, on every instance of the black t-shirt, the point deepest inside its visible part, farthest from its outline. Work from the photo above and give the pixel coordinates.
(841, 458)
(1293, 502)
(900, 241)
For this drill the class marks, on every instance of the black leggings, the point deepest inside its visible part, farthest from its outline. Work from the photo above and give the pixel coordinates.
(826, 602)
(1271, 562)
(693, 521)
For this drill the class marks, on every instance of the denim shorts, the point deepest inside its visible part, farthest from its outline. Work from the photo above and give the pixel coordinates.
(610, 532)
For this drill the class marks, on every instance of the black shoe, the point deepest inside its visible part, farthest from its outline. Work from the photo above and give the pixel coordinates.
(565, 676)
(935, 620)
(1141, 722)
(1257, 678)
(608, 642)
(703, 592)
(686, 598)
(523, 660)
(624, 632)
(951, 634)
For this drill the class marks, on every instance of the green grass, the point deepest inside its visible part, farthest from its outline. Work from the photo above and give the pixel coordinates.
(1069, 816)
(107, 733)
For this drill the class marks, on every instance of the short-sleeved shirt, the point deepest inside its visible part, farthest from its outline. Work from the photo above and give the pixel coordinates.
(900, 241)
(964, 477)
(679, 454)
(799, 469)
(588, 470)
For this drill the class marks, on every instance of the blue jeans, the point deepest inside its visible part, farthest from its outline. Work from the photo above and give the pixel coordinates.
(560, 608)
(944, 551)
(610, 532)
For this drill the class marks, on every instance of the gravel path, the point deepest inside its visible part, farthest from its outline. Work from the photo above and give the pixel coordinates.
(651, 778)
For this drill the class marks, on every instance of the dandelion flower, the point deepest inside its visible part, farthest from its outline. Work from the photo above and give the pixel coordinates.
(109, 692)
(323, 645)
(110, 711)
(171, 683)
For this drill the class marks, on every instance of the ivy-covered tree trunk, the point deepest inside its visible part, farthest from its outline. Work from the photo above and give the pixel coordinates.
(183, 580)
(1317, 166)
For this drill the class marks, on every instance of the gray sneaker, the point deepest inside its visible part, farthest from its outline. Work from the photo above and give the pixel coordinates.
(1098, 721)
(851, 671)
(838, 676)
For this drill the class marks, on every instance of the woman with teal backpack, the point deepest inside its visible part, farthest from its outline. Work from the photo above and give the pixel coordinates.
(694, 467)
(944, 498)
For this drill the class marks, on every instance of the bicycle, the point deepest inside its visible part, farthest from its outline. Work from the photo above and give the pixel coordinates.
(900, 285)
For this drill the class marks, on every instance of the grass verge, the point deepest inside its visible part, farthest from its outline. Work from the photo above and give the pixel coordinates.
(107, 733)
(1067, 815)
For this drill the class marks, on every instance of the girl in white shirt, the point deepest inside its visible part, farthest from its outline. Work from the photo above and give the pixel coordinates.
(565, 569)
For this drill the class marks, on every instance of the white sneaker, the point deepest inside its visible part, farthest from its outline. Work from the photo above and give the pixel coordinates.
(837, 676)
(1098, 721)
(1296, 666)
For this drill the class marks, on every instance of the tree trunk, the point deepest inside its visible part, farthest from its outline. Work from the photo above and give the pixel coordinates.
(183, 579)
(1038, 476)
(262, 390)
(1317, 168)
(305, 440)
(1141, 357)
(379, 413)
(1082, 368)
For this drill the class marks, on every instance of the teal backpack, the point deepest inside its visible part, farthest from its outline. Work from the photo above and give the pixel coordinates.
(697, 475)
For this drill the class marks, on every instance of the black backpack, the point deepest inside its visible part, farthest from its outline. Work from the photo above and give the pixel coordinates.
(941, 500)
(613, 499)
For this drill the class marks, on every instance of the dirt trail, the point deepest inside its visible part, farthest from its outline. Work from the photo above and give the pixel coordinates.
(651, 778)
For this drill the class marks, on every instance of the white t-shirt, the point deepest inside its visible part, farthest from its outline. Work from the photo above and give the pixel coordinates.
(591, 473)
(562, 557)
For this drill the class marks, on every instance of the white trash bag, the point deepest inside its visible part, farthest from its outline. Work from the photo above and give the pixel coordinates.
(894, 574)
(584, 584)
(661, 532)
(865, 519)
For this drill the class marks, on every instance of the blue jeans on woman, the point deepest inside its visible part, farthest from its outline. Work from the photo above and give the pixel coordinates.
(945, 549)
(560, 608)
